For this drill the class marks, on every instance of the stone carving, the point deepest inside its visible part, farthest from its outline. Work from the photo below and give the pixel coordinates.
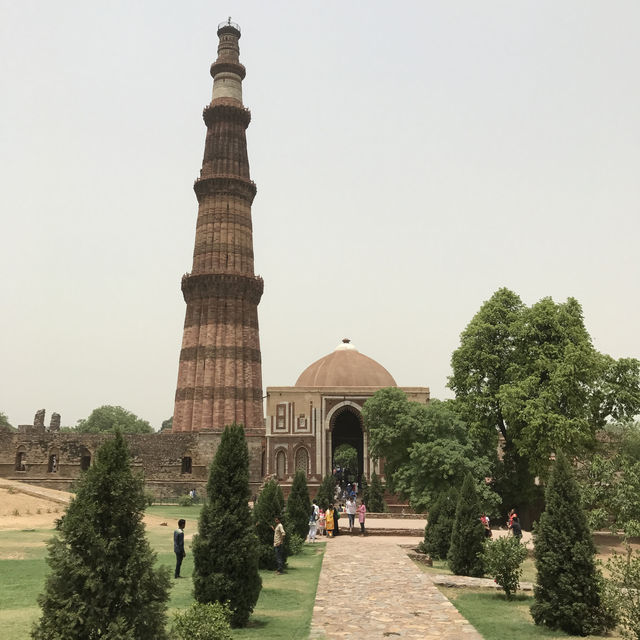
(38, 420)
(54, 425)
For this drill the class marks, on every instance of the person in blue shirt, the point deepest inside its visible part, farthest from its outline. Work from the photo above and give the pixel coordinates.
(178, 546)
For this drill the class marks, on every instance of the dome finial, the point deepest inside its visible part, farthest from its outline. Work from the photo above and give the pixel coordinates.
(346, 340)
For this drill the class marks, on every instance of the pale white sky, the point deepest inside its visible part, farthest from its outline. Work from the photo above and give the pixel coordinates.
(410, 160)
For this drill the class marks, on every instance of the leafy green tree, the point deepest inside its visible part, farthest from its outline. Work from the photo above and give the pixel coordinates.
(467, 535)
(167, 425)
(326, 491)
(532, 376)
(569, 587)
(503, 560)
(610, 480)
(426, 448)
(346, 456)
(270, 503)
(375, 495)
(4, 422)
(625, 582)
(225, 550)
(110, 418)
(437, 533)
(103, 583)
(299, 505)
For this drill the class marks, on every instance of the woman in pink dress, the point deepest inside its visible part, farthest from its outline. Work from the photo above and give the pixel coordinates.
(362, 512)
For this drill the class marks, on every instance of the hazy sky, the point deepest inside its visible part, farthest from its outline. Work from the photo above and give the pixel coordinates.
(410, 160)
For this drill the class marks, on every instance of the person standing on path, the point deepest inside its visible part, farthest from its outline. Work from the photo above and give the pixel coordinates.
(336, 517)
(178, 546)
(322, 522)
(329, 520)
(313, 521)
(278, 541)
(351, 513)
(362, 513)
(516, 529)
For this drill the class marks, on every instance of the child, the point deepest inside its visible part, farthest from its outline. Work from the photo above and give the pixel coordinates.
(322, 522)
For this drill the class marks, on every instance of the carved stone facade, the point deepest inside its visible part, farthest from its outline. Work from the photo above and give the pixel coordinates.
(307, 422)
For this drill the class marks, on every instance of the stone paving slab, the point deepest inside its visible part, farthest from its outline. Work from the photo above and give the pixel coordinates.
(369, 589)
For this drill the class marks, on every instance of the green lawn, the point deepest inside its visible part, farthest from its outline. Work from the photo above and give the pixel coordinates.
(497, 618)
(283, 610)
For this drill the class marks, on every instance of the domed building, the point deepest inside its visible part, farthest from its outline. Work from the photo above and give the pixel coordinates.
(307, 422)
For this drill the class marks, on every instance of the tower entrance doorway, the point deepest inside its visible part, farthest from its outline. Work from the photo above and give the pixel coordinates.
(347, 429)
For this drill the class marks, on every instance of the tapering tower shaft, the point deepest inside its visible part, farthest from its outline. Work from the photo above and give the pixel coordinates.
(220, 374)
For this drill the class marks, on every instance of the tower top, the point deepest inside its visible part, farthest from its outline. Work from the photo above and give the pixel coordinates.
(229, 27)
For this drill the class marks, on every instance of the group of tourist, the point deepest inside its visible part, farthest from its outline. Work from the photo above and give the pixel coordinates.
(325, 522)
(513, 524)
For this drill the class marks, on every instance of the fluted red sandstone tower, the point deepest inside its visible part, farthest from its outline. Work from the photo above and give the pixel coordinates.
(220, 376)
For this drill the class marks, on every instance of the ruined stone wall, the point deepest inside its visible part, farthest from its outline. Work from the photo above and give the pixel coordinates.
(55, 460)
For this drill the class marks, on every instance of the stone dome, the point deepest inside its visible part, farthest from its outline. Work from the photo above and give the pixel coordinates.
(345, 367)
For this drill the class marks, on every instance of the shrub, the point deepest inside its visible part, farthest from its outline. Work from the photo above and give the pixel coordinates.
(296, 544)
(185, 501)
(225, 548)
(208, 621)
(375, 499)
(103, 581)
(437, 533)
(503, 560)
(270, 503)
(625, 587)
(299, 505)
(467, 535)
(149, 498)
(568, 593)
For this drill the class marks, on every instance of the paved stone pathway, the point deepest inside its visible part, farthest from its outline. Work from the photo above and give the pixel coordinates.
(369, 589)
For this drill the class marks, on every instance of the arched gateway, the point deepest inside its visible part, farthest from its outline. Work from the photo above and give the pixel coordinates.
(324, 410)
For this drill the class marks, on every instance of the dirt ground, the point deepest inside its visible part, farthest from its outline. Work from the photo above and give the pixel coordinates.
(20, 511)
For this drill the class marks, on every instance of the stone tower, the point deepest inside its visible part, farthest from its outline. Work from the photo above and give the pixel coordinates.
(220, 375)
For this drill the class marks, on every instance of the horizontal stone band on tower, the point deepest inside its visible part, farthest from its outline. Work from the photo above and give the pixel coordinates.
(224, 248)
(231, 353)
(224, 66)
(224, 217)
(218, 393)
(226, 111)
(222, 285)
(225, 186)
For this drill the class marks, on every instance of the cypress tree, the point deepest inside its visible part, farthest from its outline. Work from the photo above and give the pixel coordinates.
(375, 502)
(270, 503)
(569, 586)
(103, 583)
(299, 505)
(326, 491)
(225, 548)
(437, 533)
(467, 536)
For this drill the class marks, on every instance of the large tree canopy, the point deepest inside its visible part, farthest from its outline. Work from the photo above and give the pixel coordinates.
(110, 418)
(532, 375)
(426, 448)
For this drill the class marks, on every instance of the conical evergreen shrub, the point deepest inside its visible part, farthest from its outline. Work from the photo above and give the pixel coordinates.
(437, 533)
(270, 503)
(103, 583)
(299, 505)
(375, 495)
(225, 549)
(568, 590)
(467, 536)
(326, 491)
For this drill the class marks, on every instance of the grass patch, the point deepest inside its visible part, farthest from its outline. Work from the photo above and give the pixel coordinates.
(497, 618)
(283, 611)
